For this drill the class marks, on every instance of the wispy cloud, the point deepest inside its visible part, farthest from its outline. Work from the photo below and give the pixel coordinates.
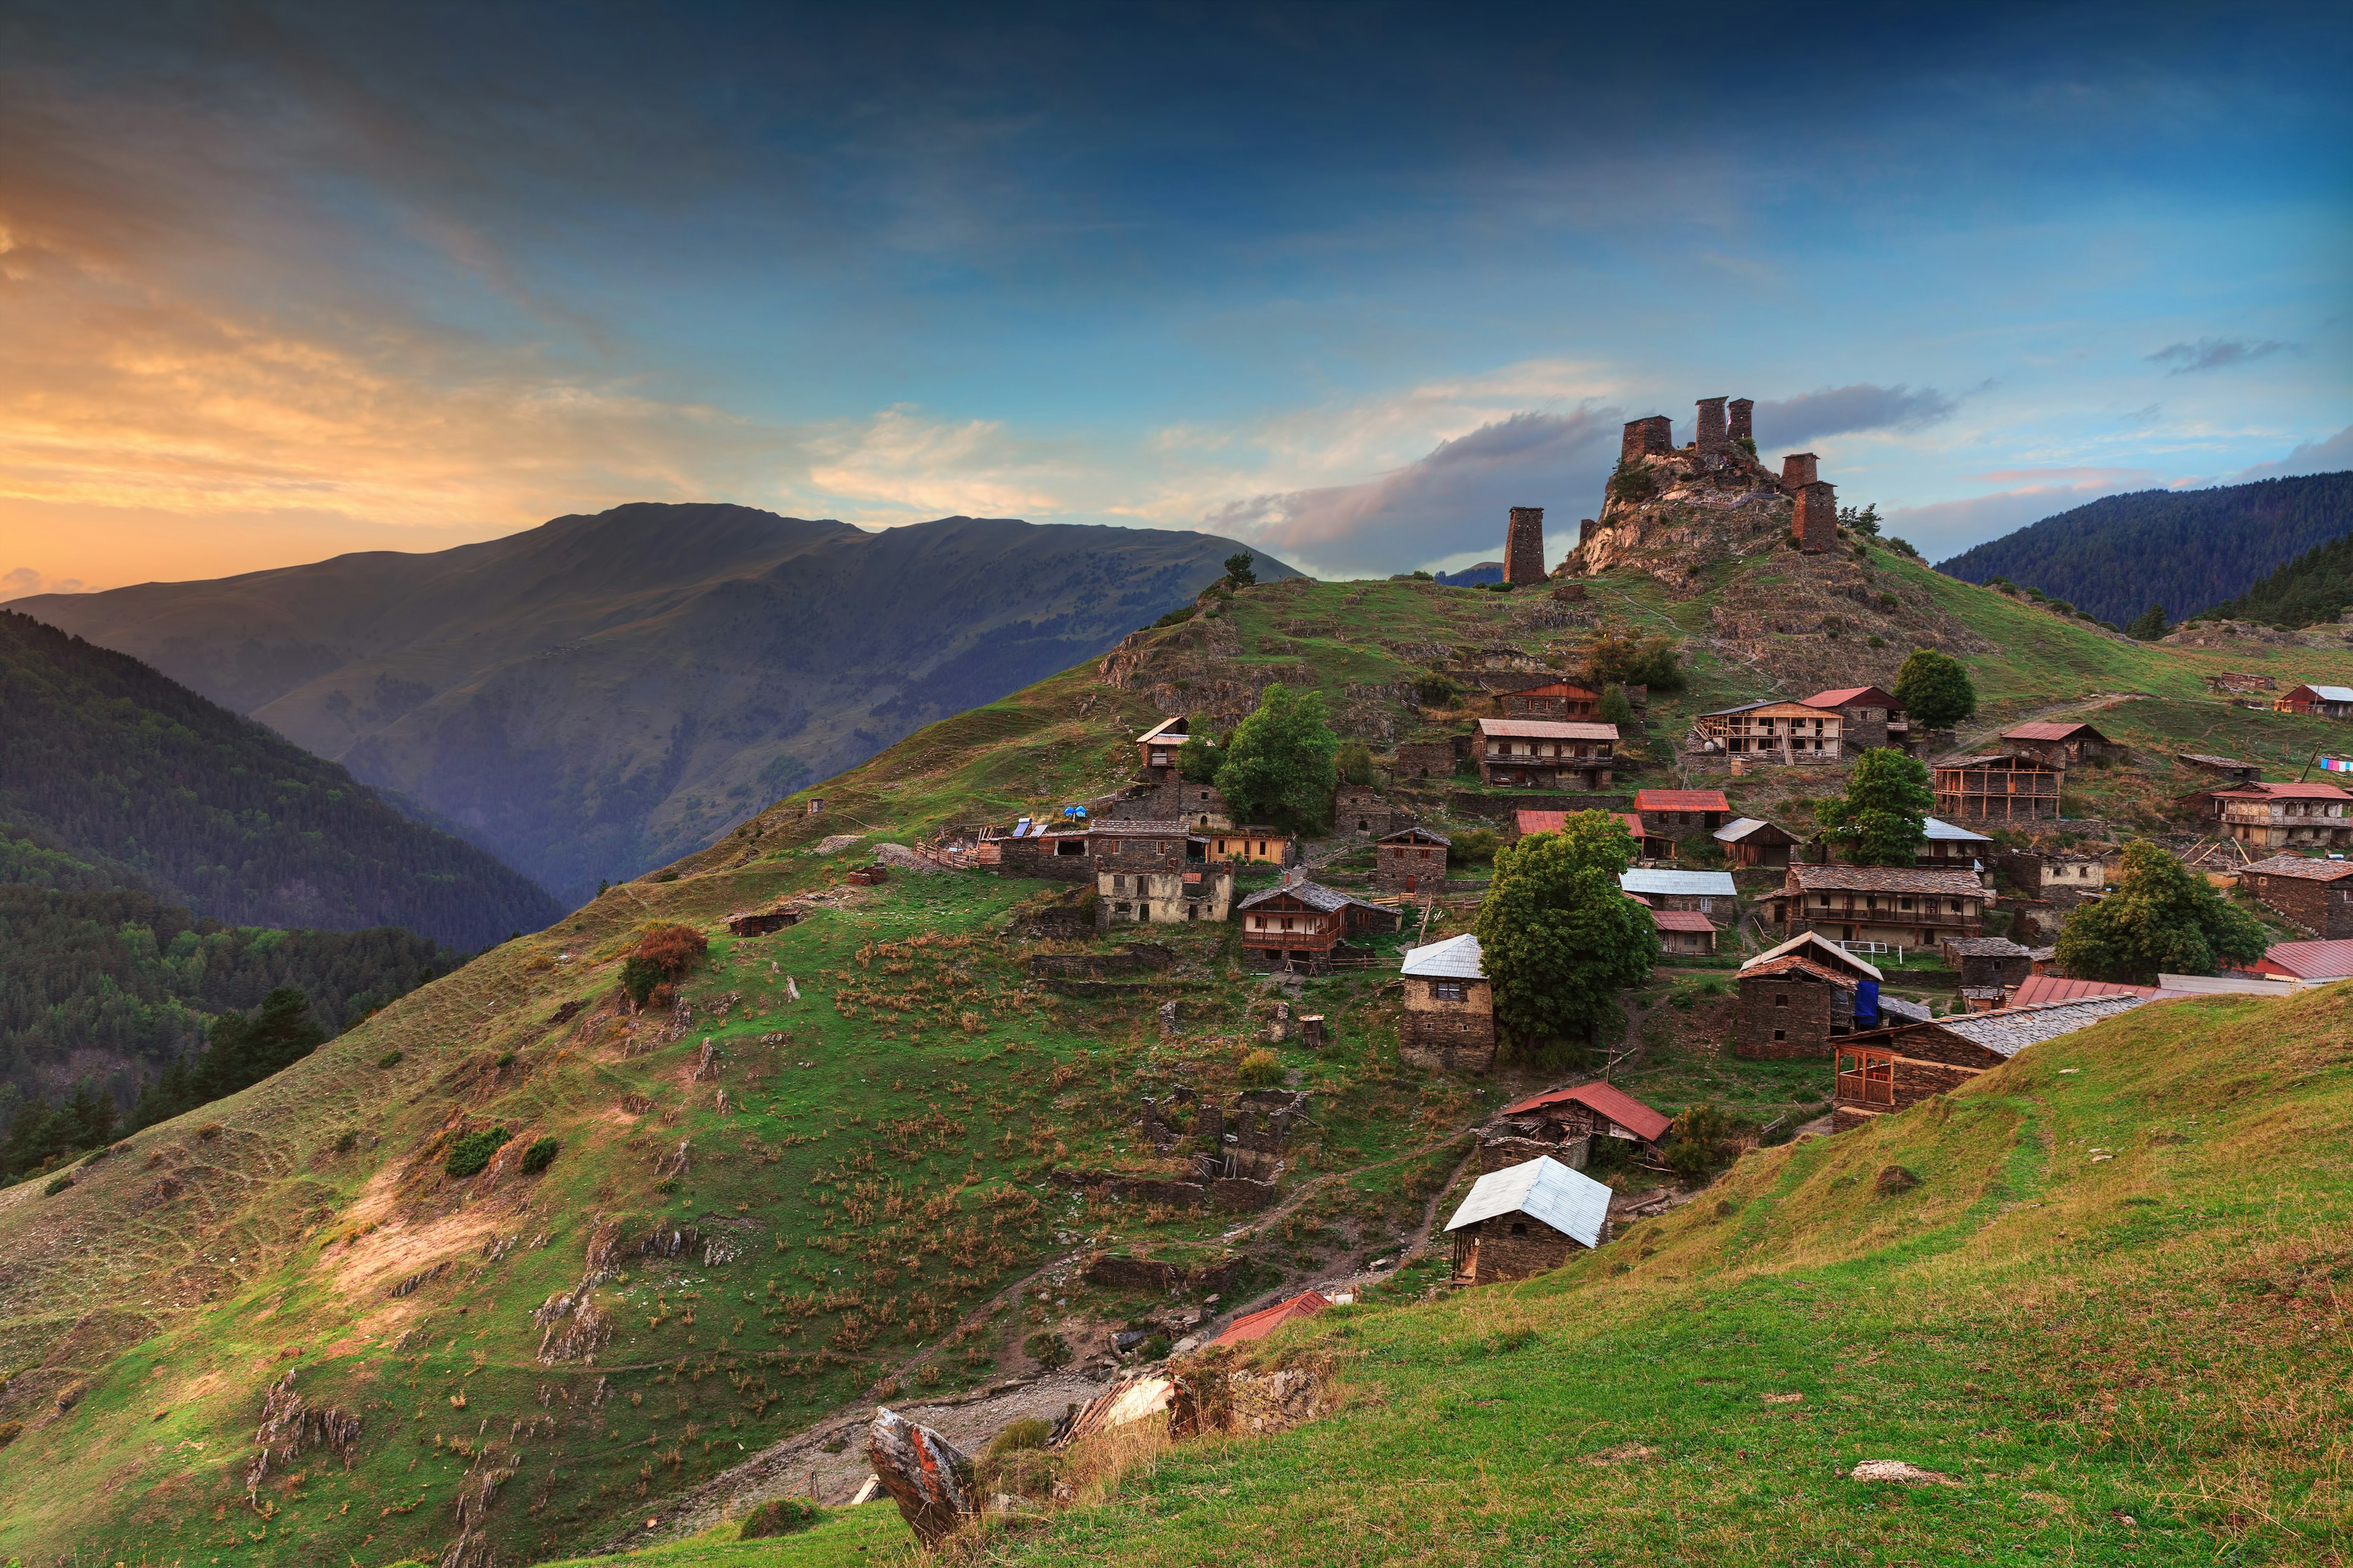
(1844, 410)
(24, 579)
(2218, 353)
(2330, 456)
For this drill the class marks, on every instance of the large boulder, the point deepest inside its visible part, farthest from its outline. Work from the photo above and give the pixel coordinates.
(928, 1476)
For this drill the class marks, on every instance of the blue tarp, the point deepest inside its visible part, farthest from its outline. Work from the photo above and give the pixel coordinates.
(1866, 1001)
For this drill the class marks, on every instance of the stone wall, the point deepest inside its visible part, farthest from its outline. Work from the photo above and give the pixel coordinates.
(1425, 760)
(1785, 1017)
(1645, 437)
(1711, 435)
(1538, 1250)
(1464, 803)
(1798, 471)
(1741, 426)
(1815, 527)
(1460, 1039)
(2321, 908)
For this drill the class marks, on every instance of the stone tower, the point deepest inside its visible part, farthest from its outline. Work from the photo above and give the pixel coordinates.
(1816, 525)
(1712, 436)
(1798, 471)
(1654, 437)
(1742, 410)
(1524, 546)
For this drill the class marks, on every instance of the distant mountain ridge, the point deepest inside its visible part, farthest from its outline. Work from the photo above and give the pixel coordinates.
(2185, 550)
(2315, 588)
(115, 776)
(599, 695)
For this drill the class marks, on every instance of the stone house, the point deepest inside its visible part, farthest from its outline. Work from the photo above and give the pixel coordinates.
(1542, 753)
(2238, 770)
(1753, 841)
(1892, 1068)
(2325, 702)
(1157, 748)
(2060, 877)
(1773, 732)
(1558, 700)
(1992, 963)
(1951, 846)
(1708, 892)
(2009, 786)
(1174, 798)
(1871, 717)
(1526, 1220)
(1411, 860)
(2262, 815)
(1156, 873)
(1361, 811)
(1903, 906)
(1684, 932)
(1430, 759)
(1594, 1110)
(1796, 998)
(1449, 1009)
(1262, 846)
(2062, 744)
(760, 922)
(2314, 895)
(1037, 849)
(1670, 816)
(1303, 924)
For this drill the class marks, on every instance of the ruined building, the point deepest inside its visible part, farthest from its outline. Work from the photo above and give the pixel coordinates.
(1671, 511)
(1524, 546)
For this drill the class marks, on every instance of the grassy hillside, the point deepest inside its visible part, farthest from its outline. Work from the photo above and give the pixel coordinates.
(851, 1219)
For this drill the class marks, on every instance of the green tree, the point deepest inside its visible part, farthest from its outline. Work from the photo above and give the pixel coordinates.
(2148, 626)
(1615, 709)
(1558, 938)
(1935, 689)
(1240, 568)
(1281, 763)
(1882, 818)
(1615, 658)
(2159, 918)
(1355, 761)
(1864, 521)
(1200, 758)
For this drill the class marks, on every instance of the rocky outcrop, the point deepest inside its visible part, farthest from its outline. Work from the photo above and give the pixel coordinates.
(1671, 514)
(928, 1476)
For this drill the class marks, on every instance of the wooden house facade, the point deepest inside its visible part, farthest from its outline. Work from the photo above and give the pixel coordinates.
(1256, 846)
(1157, 748)
(1890, 1070)
(1301, 924)
(2318, 702)
(2005, 787)
(2272, 816)
(2062, 744)
(1557, 699)
(1754, 841)
(1542, 754)
(1902, 906)
(1775, 731)
(1869, 715)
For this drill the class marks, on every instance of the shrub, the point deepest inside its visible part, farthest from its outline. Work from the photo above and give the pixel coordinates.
(1048, 1349)
(470, 1153)
(347, 1140)
(1470, 848)
(1029, 1432)
(779, 1516)
(540, 1156)
(506, 1060)
(663, 954)
(1436, 691)
(1261, 1068)
(1421, 577)
(1355, 763)
(1177, 617)
(389, 1060)
(10, 1431)
(1615, 658)
(1154, 1349)
(208, 1132)
(57, 1184)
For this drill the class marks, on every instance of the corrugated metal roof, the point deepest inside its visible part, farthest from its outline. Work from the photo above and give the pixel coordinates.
(1456, 958)
(2036, 990)
(2314, 960)
(1942, 832)
(1258, 1324)
(1571, 1202)
(1680, 800)
(2331, 693)
(1612, 1102)
(1850, 696)
(1682, 920)
(1820, 950)
(1547, 730)
(1658, 880)
(2052, 729)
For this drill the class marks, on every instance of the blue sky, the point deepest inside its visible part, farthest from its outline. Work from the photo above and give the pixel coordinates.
(1346, 282)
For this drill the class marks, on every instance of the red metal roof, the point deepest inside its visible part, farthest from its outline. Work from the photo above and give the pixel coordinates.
(1614, 1103)
(1794, 964)
(1531, 820)
(2049, 730)
(1850, 696)
(2309, 959)
(1680, 800)
(1681, 919)
(2037, 989)
(1258, 1325)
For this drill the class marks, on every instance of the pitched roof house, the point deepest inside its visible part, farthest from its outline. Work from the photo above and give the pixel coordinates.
(1597, 1109)
(1902, 905)
(1526, 1220)
(1449, 1009)
(2328, 701)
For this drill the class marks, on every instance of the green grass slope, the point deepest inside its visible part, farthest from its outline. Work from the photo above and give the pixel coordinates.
(896, 1125)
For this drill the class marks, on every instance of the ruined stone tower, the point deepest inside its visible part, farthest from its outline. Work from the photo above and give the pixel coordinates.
(1646, 437)
(1741, 410)
(1815, 526)
(1524, 546)
(1711, 437)
(1798, 471)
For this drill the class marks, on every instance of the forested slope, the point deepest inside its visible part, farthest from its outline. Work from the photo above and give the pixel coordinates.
(2315, 586)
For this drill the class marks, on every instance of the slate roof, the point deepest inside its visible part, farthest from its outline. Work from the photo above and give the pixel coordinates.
(1549, 729)
(1888, 879)
(1793, 963)
(2052, 730)
(1910, 1012)
(1942, 832)
(1820, 948)
(1571, 1202)
(2299, 866)
(2036, 990)
(2312, 959)
(1614, 1103)
(1456, 958)
(2010, 1030)
(1987, 947)
(1680, 800)
(1660, 880)
(1141, 828)
(1315, 895)
(2033, 764)
(1404, 834)
(1682, 920)
(1258, 1324)
(2208, 759)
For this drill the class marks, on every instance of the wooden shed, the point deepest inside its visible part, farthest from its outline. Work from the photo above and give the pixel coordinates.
(1754, 841)
(2006, 786)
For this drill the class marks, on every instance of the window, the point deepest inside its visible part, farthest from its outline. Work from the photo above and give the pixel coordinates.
(1780, 999)
(1780, 1034)
(1519, 1228)
(1446, 990)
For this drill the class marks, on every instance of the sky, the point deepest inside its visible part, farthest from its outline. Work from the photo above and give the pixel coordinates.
(1345, 281)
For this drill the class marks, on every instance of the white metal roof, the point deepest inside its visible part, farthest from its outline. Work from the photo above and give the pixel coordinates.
(1571, 1202)
(1658, 880)
(1946, 832)
(1456, 958)
(1738, 828)
(2331, 693)
(1814, 944)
